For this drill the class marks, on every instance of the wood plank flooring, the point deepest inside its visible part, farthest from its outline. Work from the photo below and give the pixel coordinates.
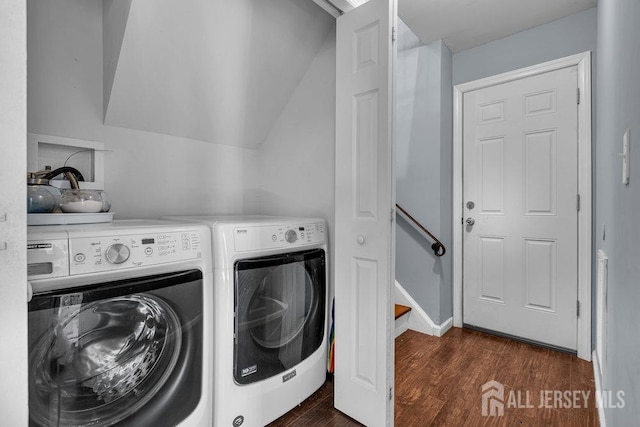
(439, 380)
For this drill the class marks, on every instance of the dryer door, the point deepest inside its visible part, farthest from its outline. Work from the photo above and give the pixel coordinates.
(280, 313)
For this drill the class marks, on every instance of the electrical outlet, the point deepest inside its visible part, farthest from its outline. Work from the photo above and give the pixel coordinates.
(625, 158)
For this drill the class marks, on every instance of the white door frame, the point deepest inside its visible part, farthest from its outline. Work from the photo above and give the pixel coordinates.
(583, 62)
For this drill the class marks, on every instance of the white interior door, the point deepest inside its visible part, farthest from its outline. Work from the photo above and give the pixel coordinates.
(520, 186)
(365, 198)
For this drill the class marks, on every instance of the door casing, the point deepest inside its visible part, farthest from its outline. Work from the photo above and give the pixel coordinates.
(583, 63)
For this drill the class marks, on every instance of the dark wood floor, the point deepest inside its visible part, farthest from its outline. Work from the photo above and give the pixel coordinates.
(439, 380)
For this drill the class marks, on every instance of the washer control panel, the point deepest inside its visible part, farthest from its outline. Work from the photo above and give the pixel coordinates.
(95, 254)
(260, 237)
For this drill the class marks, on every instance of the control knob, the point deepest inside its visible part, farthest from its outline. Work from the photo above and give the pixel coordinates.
(117, 253)
(291, 236)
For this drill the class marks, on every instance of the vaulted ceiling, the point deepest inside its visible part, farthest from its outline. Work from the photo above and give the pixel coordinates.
(223, 71)
(208, 70)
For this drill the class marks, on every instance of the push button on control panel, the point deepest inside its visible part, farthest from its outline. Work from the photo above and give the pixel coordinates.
(79, 257)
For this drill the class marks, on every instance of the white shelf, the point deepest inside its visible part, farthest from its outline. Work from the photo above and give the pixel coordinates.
(68, 218)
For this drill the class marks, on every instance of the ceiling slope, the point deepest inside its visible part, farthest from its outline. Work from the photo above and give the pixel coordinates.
(115, 14)
(214, 71)
(463, 24)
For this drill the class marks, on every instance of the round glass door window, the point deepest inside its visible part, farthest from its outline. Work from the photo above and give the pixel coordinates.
(99, 363)
(280, 313)
(280, 306)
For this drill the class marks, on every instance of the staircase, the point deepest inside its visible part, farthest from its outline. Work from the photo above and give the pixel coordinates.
(402, 313)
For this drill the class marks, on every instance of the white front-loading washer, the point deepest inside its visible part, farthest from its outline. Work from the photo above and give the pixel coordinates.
(270, 281)
(120, 324)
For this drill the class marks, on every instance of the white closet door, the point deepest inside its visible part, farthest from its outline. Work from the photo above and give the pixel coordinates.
(365, 200)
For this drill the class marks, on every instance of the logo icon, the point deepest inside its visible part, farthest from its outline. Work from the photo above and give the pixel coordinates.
(492, 399)
(237, 422)
(287, 377)
(249, 370)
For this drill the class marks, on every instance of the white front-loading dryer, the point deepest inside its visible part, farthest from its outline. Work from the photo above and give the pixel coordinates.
(270, 280)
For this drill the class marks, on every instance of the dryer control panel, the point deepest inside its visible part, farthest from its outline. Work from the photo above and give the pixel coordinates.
(108, 253)
(260, 237)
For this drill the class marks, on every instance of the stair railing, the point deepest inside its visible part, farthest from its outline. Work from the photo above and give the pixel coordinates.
(437, 246)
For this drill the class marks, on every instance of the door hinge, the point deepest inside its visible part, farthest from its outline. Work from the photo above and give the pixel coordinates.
(390, 393)
(577, 95)
(393, 215)
(393, 34)
(578, 203)
(578, 308)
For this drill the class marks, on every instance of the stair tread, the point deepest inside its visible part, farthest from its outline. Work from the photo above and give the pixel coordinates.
(401, 310)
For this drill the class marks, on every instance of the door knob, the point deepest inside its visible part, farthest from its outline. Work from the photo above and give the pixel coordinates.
(361, 240)
(471, 221)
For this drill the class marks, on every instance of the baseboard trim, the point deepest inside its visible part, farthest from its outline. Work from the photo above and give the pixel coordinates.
(599, 387)
(418, 319)
(448, 324)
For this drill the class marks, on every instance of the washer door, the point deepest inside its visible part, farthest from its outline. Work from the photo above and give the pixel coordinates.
(102, 355)
(109, 358)
(280, 306)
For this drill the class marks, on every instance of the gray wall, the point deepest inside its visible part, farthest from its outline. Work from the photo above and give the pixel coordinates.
(425, 76)
(567, 36)
(423, 170)
(446, 182)
(618, 205)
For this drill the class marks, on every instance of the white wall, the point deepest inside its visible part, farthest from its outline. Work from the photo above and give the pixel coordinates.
(13, 277)
(217, 71)
(297, 159)
(146, 174)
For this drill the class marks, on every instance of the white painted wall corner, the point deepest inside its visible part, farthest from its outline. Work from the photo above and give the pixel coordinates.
(417, 319)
